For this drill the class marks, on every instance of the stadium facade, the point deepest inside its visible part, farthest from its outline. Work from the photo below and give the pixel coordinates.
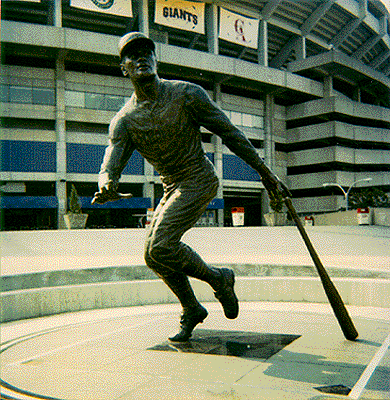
(307, 81)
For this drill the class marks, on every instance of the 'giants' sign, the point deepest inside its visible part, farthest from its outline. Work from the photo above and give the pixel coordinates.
(181, 14)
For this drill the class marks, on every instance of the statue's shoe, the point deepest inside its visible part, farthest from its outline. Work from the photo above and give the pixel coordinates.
(188, 321)
(225, 294)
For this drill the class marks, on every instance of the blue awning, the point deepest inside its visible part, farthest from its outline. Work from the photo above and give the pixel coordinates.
(9, 202)
(28, 202)
(134, 202)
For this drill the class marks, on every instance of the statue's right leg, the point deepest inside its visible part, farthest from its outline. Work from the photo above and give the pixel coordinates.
(193, 312)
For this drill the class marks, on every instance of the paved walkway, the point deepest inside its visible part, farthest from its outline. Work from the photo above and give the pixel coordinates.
(272, 351)
(360, 247)
(122, 354)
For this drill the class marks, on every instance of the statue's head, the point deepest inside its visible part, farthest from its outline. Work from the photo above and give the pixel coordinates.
(138, 57)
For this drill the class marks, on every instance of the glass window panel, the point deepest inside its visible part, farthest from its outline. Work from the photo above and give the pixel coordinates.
(258, 122)
(20, 94)
(247, 120)
(74, 99)
(236, 118)
(227, 113)
(114, 103)
(4, 93)
(43, 96)
(94, 101)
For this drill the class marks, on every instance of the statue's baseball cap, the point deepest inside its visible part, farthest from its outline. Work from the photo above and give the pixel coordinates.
(134, 39)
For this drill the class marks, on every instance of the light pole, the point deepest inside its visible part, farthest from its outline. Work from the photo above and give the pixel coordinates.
(346, 193)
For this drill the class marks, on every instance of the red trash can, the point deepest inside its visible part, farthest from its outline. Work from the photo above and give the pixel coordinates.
(238, 214)
(364, 216)
(309, 221)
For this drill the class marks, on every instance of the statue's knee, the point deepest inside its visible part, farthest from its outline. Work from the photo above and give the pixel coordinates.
(159, 253)
(147, 257)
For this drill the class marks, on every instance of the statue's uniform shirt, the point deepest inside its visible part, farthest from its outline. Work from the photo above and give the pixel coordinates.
(167, 133)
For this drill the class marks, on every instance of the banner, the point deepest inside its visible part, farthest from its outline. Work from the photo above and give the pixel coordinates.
(238, 29)
(116, 7)
(181, 14)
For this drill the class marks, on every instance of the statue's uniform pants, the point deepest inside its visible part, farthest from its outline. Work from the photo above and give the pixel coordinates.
(173, 261)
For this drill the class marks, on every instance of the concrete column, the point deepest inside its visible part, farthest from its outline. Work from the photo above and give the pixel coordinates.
(262, 52)
(148, 188)
(218, 156)
(269, 148)
(300, 49)
(143, 15)
(328, 86)
(57, 13)
(212, 28)
(148, 192)
(357, 93)
(60, 138)
(363, 8)
(269, 145)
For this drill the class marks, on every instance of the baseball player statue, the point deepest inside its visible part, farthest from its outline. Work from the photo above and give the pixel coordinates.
(162, 120)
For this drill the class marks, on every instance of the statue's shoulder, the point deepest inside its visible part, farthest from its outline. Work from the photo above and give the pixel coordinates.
(179, 86)
(125, 112)
(127, 109)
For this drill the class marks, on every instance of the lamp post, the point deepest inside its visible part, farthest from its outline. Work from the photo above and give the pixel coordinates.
(346, 193)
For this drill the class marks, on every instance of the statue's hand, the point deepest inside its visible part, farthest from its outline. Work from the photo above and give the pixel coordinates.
(109, 193)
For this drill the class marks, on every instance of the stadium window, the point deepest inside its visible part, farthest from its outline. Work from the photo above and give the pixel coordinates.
(94, 101)
(20, 94)
(258, 122)
(236, 118)
(247, 120)
(113, 103)
(74, 99)
(43, 96)
(4, 93)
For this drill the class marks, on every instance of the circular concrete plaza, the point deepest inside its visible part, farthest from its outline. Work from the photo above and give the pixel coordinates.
(271, 351)
(68, 335)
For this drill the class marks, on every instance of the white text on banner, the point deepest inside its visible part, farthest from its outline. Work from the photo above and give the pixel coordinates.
(238, 29)
(181, 14)
(116, 7)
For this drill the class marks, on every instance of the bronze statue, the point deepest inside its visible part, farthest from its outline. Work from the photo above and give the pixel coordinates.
(162, 121)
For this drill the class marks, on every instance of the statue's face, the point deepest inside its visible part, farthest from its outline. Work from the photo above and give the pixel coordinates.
(139, 63)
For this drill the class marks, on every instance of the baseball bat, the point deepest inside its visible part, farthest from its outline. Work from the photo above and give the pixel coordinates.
(333, 295)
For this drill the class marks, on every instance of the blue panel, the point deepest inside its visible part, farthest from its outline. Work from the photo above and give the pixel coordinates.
(51, 202)
(216, 204)
(83, 158)
(28, 156)
(236, 169)
(5, 155)
(135, 166)
(87, 159)
(134, 202)
(210, 156)
(28, 202)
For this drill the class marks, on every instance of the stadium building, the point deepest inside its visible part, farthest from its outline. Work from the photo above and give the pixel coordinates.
(307, 81)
